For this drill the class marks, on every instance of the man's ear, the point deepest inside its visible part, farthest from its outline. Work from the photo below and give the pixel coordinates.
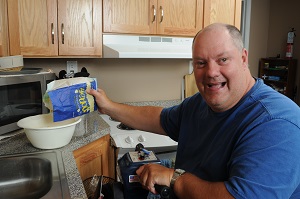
(245, 58)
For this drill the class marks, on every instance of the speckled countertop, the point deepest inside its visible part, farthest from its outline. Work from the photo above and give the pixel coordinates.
(96, 128)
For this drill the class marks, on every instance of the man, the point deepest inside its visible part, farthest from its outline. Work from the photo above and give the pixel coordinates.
(237, 137)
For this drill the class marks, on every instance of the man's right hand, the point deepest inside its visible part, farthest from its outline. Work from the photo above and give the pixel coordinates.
(102, 101)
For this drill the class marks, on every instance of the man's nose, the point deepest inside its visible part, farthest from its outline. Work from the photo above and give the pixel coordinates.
(212, 69)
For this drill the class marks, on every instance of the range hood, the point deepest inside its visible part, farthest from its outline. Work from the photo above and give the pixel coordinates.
(131, 46)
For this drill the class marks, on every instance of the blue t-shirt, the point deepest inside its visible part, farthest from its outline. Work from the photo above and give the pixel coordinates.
(254, 147)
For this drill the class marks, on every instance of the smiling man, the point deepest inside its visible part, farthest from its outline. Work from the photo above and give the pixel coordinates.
(221, 67)
(237, 137)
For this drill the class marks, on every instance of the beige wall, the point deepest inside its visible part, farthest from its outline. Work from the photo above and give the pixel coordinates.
(129, 80)
(270, 22)
(284, 15)
(258, 40)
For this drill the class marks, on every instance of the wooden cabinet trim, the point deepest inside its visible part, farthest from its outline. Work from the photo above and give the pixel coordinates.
(13, 24)
(4, 44)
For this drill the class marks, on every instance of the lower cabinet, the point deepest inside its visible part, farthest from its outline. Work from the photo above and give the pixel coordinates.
(97, 157)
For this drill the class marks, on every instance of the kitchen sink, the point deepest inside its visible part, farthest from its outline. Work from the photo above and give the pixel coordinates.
(33, 175)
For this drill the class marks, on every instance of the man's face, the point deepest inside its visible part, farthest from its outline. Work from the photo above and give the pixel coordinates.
(221, 70)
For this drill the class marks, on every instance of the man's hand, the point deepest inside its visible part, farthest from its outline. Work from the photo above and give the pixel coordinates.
(151, 174)
(101, 99)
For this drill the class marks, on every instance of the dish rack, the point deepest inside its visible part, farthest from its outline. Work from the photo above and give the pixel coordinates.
(93, 184)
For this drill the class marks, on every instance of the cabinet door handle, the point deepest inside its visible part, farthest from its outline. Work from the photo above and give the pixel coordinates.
(154, 14)
(52, 33)
(162, 14)
(62, 34)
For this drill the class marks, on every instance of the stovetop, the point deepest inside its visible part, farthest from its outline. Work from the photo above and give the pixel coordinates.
(128, 139)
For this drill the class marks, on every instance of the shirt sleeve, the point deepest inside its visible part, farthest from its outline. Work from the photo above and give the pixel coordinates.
(266, 162)
(173, 118)
(169, 119)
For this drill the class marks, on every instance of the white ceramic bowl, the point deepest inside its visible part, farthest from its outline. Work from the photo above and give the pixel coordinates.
(43, 133)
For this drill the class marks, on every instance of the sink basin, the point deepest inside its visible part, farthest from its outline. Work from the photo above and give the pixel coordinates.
(33, 175)
(25, 177)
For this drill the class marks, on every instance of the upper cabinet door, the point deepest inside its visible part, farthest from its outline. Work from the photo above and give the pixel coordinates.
(177, 17)
(32, 26)
(134, 16)
(174, 17)
(228, 11)
(80, 27)
(45, 28)
(3, 29)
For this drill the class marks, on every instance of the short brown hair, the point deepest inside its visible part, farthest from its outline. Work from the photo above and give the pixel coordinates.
(233, 31)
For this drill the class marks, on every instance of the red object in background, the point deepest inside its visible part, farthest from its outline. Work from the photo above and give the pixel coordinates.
(289, 51)
(290, 44)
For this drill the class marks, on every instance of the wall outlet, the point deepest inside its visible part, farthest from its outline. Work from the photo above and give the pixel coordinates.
(72, 67)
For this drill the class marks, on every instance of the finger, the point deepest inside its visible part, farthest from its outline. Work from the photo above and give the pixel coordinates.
(151, 188)
(91, 91)
(139, 170)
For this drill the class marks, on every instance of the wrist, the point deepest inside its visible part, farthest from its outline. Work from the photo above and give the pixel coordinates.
(177, 174)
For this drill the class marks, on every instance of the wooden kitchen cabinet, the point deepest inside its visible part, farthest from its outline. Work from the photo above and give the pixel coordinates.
(96, 158)
(280, 74)
(228, 11)
(4, 51)
(55, 27)
(176, 17)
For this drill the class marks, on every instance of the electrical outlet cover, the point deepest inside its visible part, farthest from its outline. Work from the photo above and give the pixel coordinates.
(72, 67)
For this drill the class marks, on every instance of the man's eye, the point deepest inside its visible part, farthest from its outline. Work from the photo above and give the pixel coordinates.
(198, 64)
(223, 59)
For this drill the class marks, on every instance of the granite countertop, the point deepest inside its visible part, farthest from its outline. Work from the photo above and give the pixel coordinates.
(95, 129)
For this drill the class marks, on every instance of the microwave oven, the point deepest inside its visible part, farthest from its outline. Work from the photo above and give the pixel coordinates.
(22, 96)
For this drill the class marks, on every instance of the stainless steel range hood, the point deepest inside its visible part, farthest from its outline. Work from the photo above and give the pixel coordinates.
(130, 46)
